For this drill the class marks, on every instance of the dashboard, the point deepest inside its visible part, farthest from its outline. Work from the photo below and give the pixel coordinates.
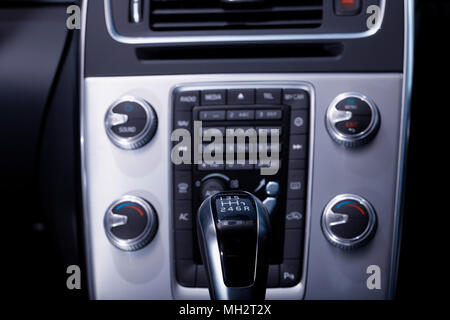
(332, 181)
(152, 122)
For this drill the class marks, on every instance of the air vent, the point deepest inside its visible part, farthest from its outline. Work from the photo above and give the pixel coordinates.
(168, 15)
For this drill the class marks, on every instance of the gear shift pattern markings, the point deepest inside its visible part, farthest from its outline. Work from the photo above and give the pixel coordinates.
(236, 224)
(234, 237)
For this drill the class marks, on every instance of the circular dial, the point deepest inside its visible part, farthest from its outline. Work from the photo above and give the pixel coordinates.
(130, 223)
(348, 221)
(130, 123)
(211, 186)
(352, 119)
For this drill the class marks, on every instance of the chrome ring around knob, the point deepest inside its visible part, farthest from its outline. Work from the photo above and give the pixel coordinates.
(335, 116)
(113, 220)
(331, 219)
(113, 119)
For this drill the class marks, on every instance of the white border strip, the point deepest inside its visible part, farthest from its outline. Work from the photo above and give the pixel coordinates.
(404, 139)
(235, 38)
(84, 183)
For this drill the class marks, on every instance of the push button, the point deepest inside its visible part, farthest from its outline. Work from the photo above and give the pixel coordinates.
(296, 184)
(240, 114)
(295, 214)
(299, 121)
(212, 131)
(210, 166)
(297, 164)
(298, 145)
(277, 130)
(237, 166)
(183, 215)
(186, 270)
(347, 7)
(213, 97)
(268, 96)
(183, 187)
(182, 120)
(296, 98)
(241, 96)
(187, 99)
(212, 115)
(293, 243)
(184, 244)
(289, 273)
(275, 114)
(273, 279)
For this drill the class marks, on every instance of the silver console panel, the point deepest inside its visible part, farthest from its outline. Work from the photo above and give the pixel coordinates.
(238, 38)
(372, 171)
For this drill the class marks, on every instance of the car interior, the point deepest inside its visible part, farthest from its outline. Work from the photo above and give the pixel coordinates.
(220, 149)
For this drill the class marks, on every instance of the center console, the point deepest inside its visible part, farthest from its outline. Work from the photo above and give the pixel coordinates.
(310, 119)
(281, 109)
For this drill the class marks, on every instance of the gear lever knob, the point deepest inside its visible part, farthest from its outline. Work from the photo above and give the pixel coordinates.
(234, 238)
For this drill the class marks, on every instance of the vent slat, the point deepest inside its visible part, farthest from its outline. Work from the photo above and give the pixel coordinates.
(211, 14)
(211, 24)
(221, 10)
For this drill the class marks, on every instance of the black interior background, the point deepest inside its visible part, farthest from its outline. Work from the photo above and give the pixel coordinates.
(40, 173)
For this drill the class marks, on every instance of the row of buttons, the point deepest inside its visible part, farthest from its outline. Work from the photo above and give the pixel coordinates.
(238, 166)
(259, 130)
(286, 274)
(240, 115)
(290, 270)
(294, 206)
(295, 98)
(183, 120)
(299, 120)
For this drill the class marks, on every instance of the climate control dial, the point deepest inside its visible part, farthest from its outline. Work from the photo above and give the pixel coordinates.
(348, 221)
(130, 123)
(130, 223)
(352, 119)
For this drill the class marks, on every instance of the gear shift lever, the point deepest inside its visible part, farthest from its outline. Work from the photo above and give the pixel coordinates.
(234, 237)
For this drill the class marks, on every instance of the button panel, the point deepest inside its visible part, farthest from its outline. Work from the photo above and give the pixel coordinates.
(281, 113)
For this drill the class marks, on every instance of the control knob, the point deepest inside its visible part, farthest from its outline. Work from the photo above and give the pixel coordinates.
(130, 123)
(130, 223)
(352, 119)
(348, 221)
(211, 186)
